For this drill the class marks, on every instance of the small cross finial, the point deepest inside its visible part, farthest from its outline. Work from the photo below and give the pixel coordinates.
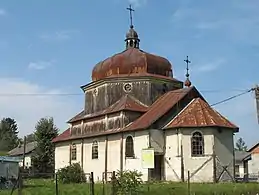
(187, 82)
(130, 11)
(187, 67)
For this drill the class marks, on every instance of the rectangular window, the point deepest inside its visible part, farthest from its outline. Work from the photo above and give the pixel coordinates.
(73, 152)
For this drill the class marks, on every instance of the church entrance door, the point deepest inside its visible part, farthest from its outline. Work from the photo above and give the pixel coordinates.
(158, 172)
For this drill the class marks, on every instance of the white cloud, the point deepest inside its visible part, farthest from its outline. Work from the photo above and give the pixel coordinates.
(208, 67)
(2, 12)
(27, 110)
(137, 3)
(40, 65)
(62, 35)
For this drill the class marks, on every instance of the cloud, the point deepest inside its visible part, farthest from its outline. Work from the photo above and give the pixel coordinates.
(27, 110)
(40, 65)
(2, 12)
(137, 3)
(209, 67)
(62, 35)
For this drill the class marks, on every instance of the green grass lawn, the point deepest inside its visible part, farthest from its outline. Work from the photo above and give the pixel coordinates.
(47, 187)
(2, 153)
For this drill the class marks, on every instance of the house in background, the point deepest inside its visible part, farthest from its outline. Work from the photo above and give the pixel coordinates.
(242, 159)
(18, 152)
(253, 165)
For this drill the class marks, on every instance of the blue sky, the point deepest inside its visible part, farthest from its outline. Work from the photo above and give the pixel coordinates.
(51, 47)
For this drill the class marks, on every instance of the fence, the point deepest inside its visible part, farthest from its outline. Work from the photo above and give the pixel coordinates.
(48, 183)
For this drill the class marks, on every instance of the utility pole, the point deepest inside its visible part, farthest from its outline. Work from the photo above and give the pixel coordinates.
(256, 89)
(24, 151)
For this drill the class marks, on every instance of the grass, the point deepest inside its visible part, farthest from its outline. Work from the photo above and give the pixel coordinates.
(47, 187)
(2, 153)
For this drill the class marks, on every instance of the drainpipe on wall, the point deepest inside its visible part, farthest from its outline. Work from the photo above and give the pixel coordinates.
(121, 152)
(82, 154)
(106, 158)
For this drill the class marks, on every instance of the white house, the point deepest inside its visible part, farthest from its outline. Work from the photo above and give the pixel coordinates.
(133, 104)
(242, 159)
(18, 152)
(253, 164)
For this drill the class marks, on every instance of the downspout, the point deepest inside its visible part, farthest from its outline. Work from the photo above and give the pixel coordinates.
(82, 146)
(106, 158)
(121, 142)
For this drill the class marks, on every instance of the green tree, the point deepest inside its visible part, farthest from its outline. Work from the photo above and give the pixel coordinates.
(241, 145)
(30, 138)
(43, 158)
(8, 134)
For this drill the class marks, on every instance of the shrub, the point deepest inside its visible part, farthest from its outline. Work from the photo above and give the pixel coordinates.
(128, 182)
(71, 174)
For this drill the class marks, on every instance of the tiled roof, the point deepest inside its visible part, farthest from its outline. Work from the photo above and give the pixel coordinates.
(159, 108)
(127, 102)
(19, 150)
(63, 136)
(198, 113)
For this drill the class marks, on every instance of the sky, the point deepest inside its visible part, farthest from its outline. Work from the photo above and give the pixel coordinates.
(50, 47)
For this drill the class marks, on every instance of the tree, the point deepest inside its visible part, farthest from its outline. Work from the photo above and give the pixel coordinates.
(30, 138)
(8, 134)
(43, 157)
(241, 145)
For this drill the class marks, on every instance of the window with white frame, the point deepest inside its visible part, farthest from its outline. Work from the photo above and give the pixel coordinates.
(197, 144)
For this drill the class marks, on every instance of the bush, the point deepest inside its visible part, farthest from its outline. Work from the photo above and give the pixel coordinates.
(128, 182)
(71, 174)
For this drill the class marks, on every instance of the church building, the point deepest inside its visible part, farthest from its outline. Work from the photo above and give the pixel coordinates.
(134, 105)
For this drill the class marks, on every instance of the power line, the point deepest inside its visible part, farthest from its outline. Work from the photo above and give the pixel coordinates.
(81, 94)
(217, 103)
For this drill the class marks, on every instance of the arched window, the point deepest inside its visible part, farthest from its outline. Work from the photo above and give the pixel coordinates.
(95, 150)
(129, 152)
(73, 152)
(197, 143)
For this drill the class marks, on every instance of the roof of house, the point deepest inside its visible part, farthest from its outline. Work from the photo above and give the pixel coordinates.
(9, 159)
(254, 147)
(127, 103)
(199, 113)
(242, 155)
(63, 136)
(19, 150)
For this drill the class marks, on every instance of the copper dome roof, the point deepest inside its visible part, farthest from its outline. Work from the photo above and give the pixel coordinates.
(132, 61)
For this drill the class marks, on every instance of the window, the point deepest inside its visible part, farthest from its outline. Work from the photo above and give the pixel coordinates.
(129, 147)
(73, 152)
(95, 150)
(197, 143)
(237, 173)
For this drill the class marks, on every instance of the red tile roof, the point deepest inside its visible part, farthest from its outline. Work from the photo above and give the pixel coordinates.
(63, 136)
(127, 102)
(159, 108)
(198, 113)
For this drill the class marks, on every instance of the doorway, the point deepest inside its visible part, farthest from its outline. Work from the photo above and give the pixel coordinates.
(158, 172)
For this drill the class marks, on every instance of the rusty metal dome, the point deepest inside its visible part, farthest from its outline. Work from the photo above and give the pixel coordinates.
(132, 61)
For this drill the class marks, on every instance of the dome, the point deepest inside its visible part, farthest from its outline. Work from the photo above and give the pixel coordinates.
(132, 61)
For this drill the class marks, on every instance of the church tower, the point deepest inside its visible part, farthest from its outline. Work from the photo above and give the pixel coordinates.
(133, 72)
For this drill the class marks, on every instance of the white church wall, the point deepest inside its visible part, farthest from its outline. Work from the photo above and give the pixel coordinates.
(172, 156)
(94, 165)
(114, 153)
(141, 141)
(201, 168)
(62, 155)
(224, 150)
